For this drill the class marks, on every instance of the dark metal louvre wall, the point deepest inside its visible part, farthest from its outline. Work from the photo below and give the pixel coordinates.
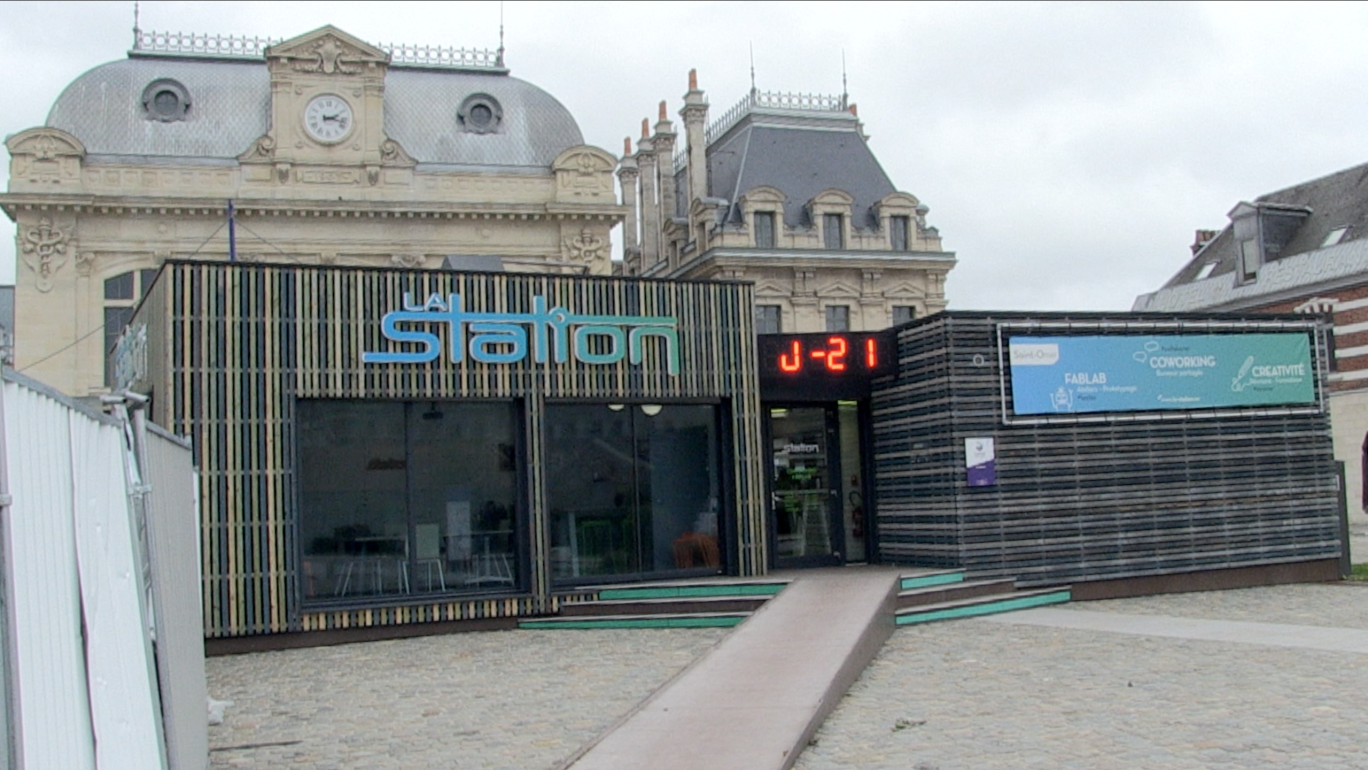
(242, 342)
(1119, 497)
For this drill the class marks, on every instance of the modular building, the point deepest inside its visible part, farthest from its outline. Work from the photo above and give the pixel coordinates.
(381, 448)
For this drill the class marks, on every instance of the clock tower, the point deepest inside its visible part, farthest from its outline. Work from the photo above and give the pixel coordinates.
(327, 114)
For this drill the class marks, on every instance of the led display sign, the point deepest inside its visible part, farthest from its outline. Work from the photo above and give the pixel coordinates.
(822, 365)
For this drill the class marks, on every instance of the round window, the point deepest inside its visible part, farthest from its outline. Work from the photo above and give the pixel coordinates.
(480, 114)
(165, 100)
(166, 103)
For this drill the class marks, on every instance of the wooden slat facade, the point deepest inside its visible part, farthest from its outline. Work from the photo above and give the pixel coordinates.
(231, 347)
(1105, 497)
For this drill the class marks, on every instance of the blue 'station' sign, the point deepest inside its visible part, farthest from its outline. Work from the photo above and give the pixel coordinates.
(506, 338)
(1060, 375)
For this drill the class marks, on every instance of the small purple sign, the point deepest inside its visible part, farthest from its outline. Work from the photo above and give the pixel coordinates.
(980, 462)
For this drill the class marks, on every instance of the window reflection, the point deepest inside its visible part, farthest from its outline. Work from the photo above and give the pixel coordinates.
(406, 497)
(632, 490)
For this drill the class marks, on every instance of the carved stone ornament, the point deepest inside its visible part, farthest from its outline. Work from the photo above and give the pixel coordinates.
(393, 154)
(85, 263)
(584, 172)
(262, 150)
(45, 155)
(408, 260)
(329, 56)
(44, 249)
(585, 247)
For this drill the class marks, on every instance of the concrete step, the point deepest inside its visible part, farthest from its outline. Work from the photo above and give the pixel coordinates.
(676, 620)
(690, 589)
(931, 578)
(948, 592)
(754, 701)
(667, 606)
(982, 605)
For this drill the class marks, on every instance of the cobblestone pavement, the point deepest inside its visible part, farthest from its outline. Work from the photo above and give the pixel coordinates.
(986, 695)
(514, 700)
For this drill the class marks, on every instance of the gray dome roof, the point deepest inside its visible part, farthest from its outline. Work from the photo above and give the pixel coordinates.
(420, 114)
(230, 108)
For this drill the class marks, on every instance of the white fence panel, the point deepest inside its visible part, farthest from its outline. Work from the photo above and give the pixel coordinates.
(123, 700)
(53, 719)
(174, 527)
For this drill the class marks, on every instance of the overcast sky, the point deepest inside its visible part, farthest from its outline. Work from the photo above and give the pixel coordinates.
(1067, 152)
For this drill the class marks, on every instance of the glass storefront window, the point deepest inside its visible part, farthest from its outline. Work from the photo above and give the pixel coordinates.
(632, 489)
(406, 497)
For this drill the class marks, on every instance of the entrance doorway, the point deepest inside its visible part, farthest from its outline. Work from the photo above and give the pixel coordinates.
(817, 498)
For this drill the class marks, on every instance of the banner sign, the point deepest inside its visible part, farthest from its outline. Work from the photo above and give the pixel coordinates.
(1071, 375)
(980, 462)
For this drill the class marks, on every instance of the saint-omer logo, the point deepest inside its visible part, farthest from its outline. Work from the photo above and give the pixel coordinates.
(552, 334)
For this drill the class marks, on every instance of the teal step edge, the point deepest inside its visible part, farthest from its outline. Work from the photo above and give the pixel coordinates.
(926, 581)
(987, 608)
(685, 592)
(715, 622)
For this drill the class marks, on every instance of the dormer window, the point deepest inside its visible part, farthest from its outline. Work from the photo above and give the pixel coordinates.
(897, 233)
(1250, 260)
(1205, 271)
(832, 235)
(764, 229)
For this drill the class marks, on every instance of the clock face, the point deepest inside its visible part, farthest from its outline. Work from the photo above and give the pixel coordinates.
(328, 118)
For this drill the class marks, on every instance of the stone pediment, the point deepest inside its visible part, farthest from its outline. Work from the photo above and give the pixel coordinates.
(584, 174)
(768, 287)
(45, 156)
(763, 194)
(905, 290)
(897, 203)
(327, 50)
(838, 290)
(45, 144)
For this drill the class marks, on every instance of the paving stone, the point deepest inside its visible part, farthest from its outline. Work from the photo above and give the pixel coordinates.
(513, 699)
(984, 695)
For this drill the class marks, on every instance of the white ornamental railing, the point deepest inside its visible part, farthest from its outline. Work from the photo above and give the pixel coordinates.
(195, 44)
(245, 47)
(775, 101)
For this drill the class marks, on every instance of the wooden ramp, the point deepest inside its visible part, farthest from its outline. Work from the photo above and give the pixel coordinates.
(754, 701)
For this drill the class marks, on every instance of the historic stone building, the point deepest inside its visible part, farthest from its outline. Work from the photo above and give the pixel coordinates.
(782, 190)
(319, 150)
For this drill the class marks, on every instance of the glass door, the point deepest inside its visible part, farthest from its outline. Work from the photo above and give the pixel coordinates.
(805, 487)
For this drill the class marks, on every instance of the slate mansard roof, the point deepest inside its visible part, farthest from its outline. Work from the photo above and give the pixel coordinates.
(1305, 261)
(798, 154)
(230, 108)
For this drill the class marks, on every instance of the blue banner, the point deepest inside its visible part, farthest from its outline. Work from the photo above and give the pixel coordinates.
(1071, 375)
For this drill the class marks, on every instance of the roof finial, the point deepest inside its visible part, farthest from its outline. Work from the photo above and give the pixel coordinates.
(137, 33)
(844, 90)
(752, 53)
(501, 39)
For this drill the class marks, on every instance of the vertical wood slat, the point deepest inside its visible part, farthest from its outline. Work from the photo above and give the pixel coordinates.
(254, 338)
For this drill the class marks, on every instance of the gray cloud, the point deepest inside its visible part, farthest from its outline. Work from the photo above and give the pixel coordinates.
(1067, 151)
